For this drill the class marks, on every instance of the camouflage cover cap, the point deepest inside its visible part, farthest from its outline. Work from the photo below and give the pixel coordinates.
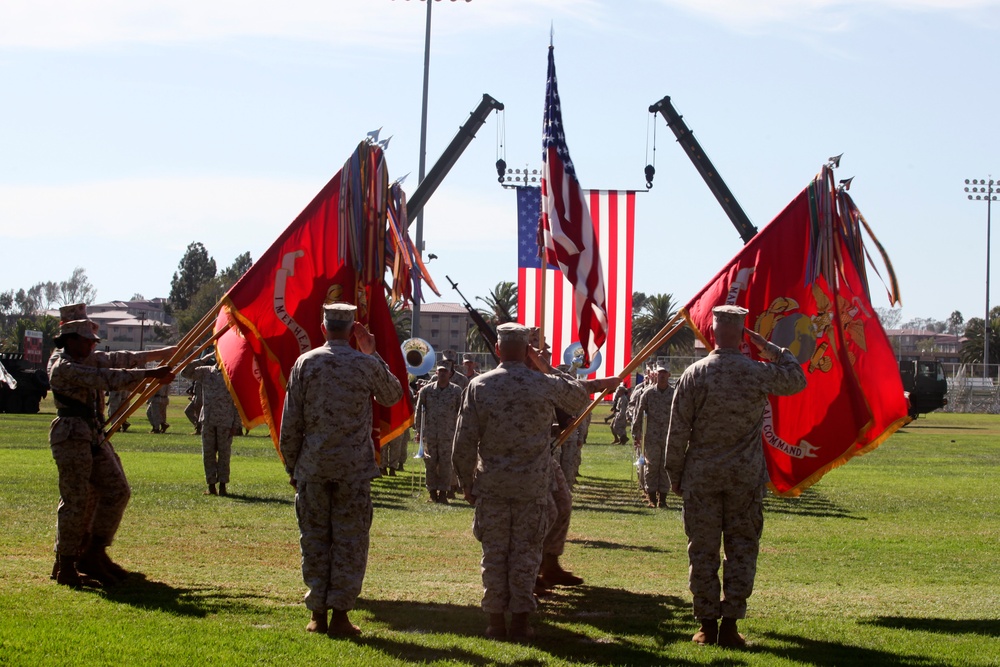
(339, 312)
(660, 368)
(449, 355)
(730, 314)
(73, 320)
(441, 367)
(512, 332)
(468, 360)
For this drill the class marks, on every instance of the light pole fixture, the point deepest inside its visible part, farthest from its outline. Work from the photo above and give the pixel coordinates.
(415, 330)
(513, 178)
(980, 189)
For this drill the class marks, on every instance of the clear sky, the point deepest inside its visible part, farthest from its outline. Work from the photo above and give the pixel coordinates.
(130, 129)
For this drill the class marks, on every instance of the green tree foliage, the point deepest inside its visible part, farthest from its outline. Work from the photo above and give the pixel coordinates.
(656, 311)
(956, 324)
(235, 271)
(972, 349)
(209, 292)
(23, 309)
(77, 289)
(402, 318)
(501, 307)
(196, 268)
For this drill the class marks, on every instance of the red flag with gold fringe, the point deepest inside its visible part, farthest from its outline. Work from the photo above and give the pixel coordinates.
(333, 251)
(800, 281)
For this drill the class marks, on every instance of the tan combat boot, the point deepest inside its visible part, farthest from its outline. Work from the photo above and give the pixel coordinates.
(729, 637)
(553, 574)
(68, 576)
(497, 628)
(318, 622)
(341, 626)
(519, 628)
(709, 632)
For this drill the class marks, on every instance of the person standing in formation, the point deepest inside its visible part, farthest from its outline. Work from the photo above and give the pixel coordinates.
(219, 421)
(92, 486)
(326, 443)
(504, 462)
(619, 405)
(654, 405)
(469, 367)
(115, 399)
(193, 409)
(436, 411)
(715, 461)
(156, 409)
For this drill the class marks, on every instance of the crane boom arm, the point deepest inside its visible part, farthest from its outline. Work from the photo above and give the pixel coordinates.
(705, 167)
(450, 156)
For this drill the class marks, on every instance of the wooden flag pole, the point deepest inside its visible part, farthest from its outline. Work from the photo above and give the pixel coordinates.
(662, 336)
(196, 332)
(153, 386)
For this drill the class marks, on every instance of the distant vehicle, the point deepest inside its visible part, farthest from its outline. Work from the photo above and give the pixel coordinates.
(925, 385)
(32, 385)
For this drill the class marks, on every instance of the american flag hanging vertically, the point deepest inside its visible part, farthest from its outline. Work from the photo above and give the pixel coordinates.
(613, 217)
(567, 228)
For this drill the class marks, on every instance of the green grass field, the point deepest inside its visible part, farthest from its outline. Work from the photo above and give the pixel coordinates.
(889, 560)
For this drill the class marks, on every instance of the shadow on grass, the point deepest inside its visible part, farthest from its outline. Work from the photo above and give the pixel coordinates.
(619, 625)
(258, 500)
(810, 503)
(822, 653)
(143, 593)
(616, 546)
(948, 626)
(596, 494)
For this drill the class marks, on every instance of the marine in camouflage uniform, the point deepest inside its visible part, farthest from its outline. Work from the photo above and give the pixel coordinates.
(219, 421)
(156, 409)
(654, 405)
(715, 460)
(193, 409)
(392, 456)
(504, 462)
(115, 399)
(436, 412)
(619, 409)
(326, 444)
(92, 486)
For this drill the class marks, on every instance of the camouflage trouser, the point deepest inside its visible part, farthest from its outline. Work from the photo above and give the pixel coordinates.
(193, 411)
(560, 506)
(216, 450)
(654, 474)
(438, 462)
(619, 425)
(512, 532)
(334, 523)
(569, 458)
(393, 453)
(156, 413)
(93, 494)
(733, 520)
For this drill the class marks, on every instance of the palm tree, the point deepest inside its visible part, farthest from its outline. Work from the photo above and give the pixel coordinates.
(402, 317)
(501, 307)
(655, 312)
(972, 348)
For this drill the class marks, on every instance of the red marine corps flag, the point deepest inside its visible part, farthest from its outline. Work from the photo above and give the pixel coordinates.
(803, 280)
(335, 250)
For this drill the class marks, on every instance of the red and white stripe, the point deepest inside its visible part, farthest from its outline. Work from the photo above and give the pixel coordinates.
(612, 214)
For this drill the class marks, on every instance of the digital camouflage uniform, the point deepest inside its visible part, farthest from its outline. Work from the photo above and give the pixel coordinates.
(619, 406)
(571, 455)
(654, 405)
(502, 454)
(193, 409)
(115, 400)
(92, 486)
(440, 406)
(393, 453)
(560, 510)
(156, 409)
(326, 443)
(219, 420)
(715, 453)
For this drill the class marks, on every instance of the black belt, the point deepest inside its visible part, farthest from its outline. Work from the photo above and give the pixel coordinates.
(82, 413)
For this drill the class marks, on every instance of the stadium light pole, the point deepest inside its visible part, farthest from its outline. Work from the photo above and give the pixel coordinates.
(415, 311)
(985, 189)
